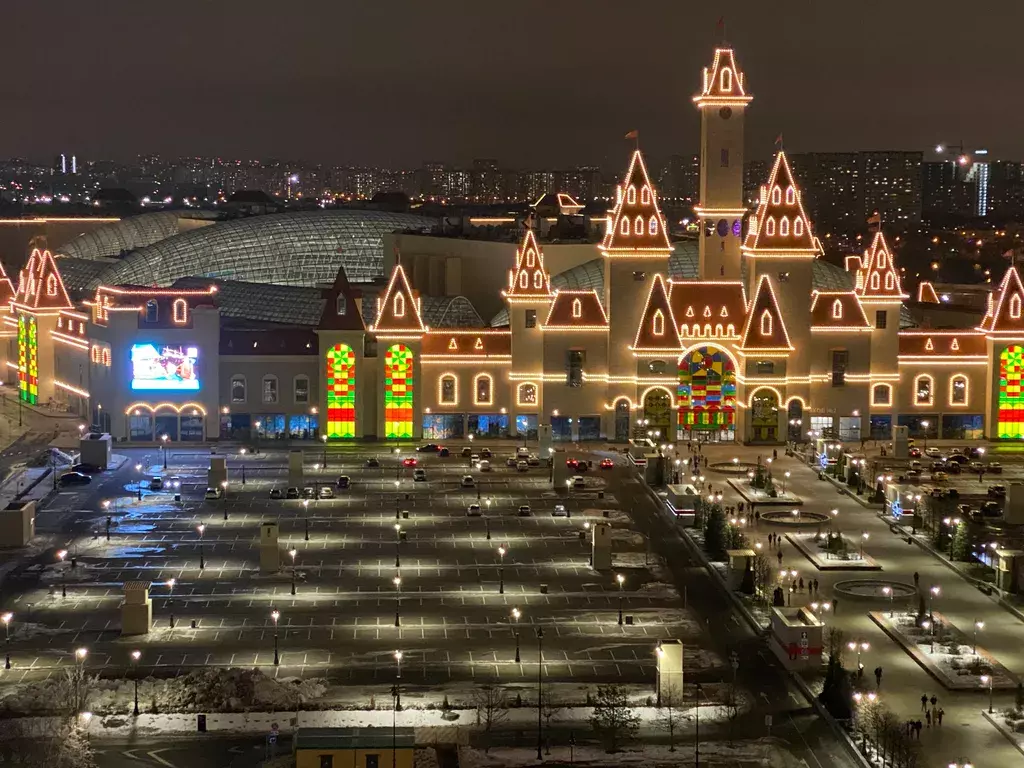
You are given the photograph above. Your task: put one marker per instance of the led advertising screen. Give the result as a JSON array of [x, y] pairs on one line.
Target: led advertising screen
[[165, 367]]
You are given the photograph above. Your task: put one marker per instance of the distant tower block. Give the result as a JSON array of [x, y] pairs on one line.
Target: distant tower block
[[270, 551], [601, 546], [218, 472], [295, 476], [137, 609], [670, 672]]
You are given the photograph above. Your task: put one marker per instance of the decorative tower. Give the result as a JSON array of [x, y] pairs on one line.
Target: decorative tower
[[636, 248], [881, 294], [781, 245], [529, 302], [722, 102]]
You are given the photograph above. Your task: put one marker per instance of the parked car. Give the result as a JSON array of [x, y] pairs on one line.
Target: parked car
[[485, 465], [957, 458], [213, 494], [997, 491], [522, 466], [473, 510], [913, 475], [572, 462], [419, 475], [372, 463], [409, 461], [466, 451], [933, 452], [474, 459], [578, 483], [86, 468], [522, 452], [326, 492], [991, 509], [533, 460], [468, 481], [429, 448], [940, 477], [953, 468], [309, 492], [510, 462], [937, 466], [74, 478], [444, 453], [607, 463], [276, 493], [524, 510], [915, 453], [156, 483], [994, 467], [485, 453], [292, 492], [344, 482], [560, 511]]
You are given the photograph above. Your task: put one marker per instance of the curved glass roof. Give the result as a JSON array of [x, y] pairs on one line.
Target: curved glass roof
[[117, 239], [298, 248]]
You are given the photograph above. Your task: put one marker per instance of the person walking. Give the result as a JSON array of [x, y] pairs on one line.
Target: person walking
[[917, 579], [924, 702], [757, 518], [928, 718], [939, 715], [878, 677], [934, 701], [917, 728], [780, 558], [835, 606], [775, 454], [800, 584]]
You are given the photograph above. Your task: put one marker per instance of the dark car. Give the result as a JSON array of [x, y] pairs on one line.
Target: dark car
[[953, 468], [372, 462], [915, 453], [994, 467], [958, 458], [992, 509], [74, 478], [997, 491], [607, 464], [572, 463], [344, 481], [429, 448], [86, 468], [444, 453]]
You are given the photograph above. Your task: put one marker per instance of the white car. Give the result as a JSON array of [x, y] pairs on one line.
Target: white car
[[522, 466], [560, 511], [522, 452], [473, 511], [468, 481], [326, 492], [213, 494], [934, 452], [524, 510], [485, 465], [419, 475], [578, 483], [510, 462]]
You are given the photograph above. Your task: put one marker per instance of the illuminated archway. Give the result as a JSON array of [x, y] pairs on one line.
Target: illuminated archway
[[622, 409], [658, 413], [707, 395], [764, 415], [341, 392], [398, 391], [1010, 420]]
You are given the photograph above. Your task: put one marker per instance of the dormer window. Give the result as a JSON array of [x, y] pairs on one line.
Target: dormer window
[[790, 196], [784, 227], [653, 227], [179, 310], [798, 227], [51, 285], [658, 323], [624, 227], [776, 196], [577, 308], [890, 281], [631, 195], [875, 282], [152, 311], [1015, 306], [766, 323], [524, 280], [638, 225], [645, 195], [881, 260], [837, 310], [530, 257], [341, 305], [398, 305], [538, 280], [769, 225], [725, 80]]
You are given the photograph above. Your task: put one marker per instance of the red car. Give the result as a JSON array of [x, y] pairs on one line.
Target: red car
[[915, 453], [607, 463], [572, 463], [409, 462]]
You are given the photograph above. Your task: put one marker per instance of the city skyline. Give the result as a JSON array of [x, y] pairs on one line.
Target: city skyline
[[371, 86]]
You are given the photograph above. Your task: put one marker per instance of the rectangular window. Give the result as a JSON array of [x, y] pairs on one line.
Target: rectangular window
[[302, 390], [840, 358], [575, 360], [531, 318], [765, 367], [725, 158], [880, 318], [783, 277], [373, 761], [639, 276], [326, 761]]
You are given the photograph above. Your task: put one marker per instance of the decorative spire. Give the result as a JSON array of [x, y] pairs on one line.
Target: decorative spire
[[878, 278], [636, 226], [1005, 315], [528, 279], [399, 310], [658, 329], [765, 329], [780, 228], [40, 285], [724, 84]]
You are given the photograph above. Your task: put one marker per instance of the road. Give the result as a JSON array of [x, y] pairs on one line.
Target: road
[[197, 752]]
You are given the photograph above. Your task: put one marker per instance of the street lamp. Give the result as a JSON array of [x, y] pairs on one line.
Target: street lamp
[[540, 690], [398, 545], [696, 735], [170, 598], [138, 469], [136, 655], [6, 618], [987, 679], [324, 439], [515, 631], [785, 477], [487, 519], [622, 580], [397, 581], [863, 539], [977, 625], [305, 516], [397, 500], [293, 552], [501, 570], [924, 425], [398, 681], [887, 591], [275, 615], [242, 462], [931, 614], [163, 441], [63, 573], [859, 647], [202, 561]]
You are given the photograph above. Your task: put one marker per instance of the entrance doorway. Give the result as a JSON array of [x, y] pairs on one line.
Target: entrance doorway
[[764, 416], [622, 420], [658, 413]]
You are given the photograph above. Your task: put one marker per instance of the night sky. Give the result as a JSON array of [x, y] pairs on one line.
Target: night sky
[[534, 83]]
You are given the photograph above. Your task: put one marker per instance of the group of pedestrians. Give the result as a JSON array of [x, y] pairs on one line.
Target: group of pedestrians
[[933, 715]]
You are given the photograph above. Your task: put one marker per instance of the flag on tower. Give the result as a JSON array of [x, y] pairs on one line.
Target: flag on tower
[[634, 134], [778, 140], [875, 221]]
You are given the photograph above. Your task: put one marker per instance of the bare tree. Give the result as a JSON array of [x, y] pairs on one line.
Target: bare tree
[[491, 709], [834, 644], [668, 717], [764, 575], [549, 709]]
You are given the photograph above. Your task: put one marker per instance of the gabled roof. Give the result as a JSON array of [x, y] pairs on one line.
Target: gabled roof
[[472, 343], [7, 291], [399, 310], [528, 279], [781, 224], [577, 310], [765, 328], [723, 83], [330, 319], [636, 226], [657, 329], [699, 306], [1004, 313], [837, 310], [926, 293], [934, 344], [40, 286], [878, 278]]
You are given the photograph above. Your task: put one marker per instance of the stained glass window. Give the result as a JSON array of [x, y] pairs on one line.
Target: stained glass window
[[1011, 398], [28, 359], [341, 392], [398, 391], [707, 391]]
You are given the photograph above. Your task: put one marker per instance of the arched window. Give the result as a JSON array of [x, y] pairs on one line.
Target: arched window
[[530, 257], [1015, 306], [538, 280], [638, 225], [890, 281], [837, 310], [524, 280], [399, 383], [483, 389], [399, 305], [624, 226], [270, 391], [631, 195], [51, 285], [238, 389], [875, 281], [790, 196], [448, 389], [152, 311], [769, 226], [658, 323], [766, 323], [881, 394], [300, 389], [784, 227], [653, 226], [645, 195], [776, 195], [881, 260], [179, 311], [341, 392], [958, 389], [105, 356], [577, 308], [725, 80], [798, 227], [341, 304], [526, 393], [923, 386]]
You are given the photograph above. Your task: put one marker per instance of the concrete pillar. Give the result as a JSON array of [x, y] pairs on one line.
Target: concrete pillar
[[543, 440], [218, 472], [295, 477], [270, 551], [17, 523], [670, 672], [601, 546], [137, 609]]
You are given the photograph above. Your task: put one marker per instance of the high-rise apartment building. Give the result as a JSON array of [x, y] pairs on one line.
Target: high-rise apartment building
[[833, 190], [892, 186]]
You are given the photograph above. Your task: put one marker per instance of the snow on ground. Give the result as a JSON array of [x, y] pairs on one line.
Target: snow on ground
[[634, 560], [620, 536], [658, 589], [748, 753], [21, 630], [65, 573]]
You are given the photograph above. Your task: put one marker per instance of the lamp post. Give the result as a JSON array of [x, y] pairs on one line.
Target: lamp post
[[398, 681], [305, 516], [696, 733], [323, 438], [859, 647], [275, 615], [202, 561], [397, 500], [398, 463], [987, 680], [293, 552], [397, 581], [785, 477], [136, 655], [621, 580], [242, 462], [887, 591], [540, 690], [931, 599], [163, 445], [138, 470], [863, 539], [224, 496], [977, 625], [170, 598], [487, 519], [80, 654], [398, 545], [396, 704], [501, 570], [63, 574], [924, 426], [7, 641], [515, 630]]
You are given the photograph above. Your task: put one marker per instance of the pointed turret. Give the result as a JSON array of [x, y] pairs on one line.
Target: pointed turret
[[636, 226], [926, 293], [878, 279], [1004, 314], [780, 228], [40, 286], [724, 84], [765, 329], [528, 280], [7, 291], [398, 312], [658, 330]]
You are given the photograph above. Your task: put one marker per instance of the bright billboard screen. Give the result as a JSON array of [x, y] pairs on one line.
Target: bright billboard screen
[[164, 367]]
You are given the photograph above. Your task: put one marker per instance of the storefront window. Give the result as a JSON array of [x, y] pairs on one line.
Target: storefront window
[[443, 426], [488, 424]]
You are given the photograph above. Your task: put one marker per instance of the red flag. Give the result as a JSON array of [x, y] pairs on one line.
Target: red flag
[[634, 134], [875, 220], [778, 140]]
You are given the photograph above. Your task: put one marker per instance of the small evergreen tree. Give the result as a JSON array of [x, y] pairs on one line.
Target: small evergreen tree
[[715, 533], [961, 548], [614, 721]]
